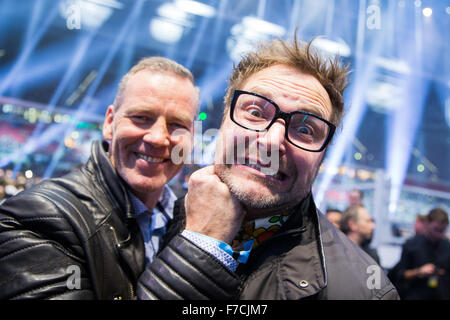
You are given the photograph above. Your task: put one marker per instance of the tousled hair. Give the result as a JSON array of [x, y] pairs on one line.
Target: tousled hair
[[302, 56]]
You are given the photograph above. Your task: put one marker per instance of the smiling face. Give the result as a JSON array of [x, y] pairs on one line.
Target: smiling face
[[292, 90], [156, 114]]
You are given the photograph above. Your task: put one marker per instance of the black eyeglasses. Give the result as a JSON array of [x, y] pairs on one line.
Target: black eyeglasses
[[257, 113]]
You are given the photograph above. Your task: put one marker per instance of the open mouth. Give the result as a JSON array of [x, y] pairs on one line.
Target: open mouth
[[149, 159], [267, 170]]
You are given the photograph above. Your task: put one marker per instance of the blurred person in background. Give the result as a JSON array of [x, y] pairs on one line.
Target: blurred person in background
[[420, 224], [359, 226], [179, 185], [334, 216], [355, 197], [424, 266]]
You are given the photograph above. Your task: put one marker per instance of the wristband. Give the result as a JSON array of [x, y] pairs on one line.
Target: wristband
[[240, 256]]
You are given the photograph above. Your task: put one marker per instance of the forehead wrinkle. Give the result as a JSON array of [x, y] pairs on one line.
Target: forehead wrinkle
[[312, 94], [312, 97]]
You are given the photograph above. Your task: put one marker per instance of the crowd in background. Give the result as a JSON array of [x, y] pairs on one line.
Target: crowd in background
[[423, 271], [356, 222], [11, 184]]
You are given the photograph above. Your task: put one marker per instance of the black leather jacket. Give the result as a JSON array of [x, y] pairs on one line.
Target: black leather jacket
[[75, 238]]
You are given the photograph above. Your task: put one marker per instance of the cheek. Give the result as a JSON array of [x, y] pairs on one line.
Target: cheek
[[126, 133], [123, 137], [222, 145], [306, 163], [181, 146]]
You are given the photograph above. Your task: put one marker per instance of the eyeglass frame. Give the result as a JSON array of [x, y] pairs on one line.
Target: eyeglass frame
[[286, 116]]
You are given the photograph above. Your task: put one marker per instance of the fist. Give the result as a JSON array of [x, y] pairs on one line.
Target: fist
[[210, 207]]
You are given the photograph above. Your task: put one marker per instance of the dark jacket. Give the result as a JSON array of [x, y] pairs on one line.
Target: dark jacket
[[416, 252], [370, 251], [308, 258], [75, 238]]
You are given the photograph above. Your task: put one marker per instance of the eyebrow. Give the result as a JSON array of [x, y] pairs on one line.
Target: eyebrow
[[148, 111], [303, 107]]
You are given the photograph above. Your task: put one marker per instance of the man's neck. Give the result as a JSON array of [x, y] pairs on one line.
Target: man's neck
[[150, 199], [258, 213], [355, 238]]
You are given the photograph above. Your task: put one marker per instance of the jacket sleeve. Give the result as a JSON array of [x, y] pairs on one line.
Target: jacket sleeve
[[40, 255], [184, 271], [392, 294]]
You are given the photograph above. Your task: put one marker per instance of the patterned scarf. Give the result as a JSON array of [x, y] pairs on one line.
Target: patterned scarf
[[259, 230]]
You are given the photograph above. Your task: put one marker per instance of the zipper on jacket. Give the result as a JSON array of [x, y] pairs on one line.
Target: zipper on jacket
[[118, 245]]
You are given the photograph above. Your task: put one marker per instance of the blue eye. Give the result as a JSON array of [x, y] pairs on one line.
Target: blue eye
[[304, 130]]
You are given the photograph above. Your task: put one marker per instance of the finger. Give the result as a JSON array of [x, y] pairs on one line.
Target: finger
[[208, 170]]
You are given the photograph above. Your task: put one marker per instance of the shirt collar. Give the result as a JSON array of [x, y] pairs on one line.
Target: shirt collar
[[165, 203]]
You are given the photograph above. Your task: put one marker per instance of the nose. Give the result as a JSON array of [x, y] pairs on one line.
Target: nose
[[157, 134], [274, 139]]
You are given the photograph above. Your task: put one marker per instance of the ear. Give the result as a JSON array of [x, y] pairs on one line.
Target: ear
[[353, 226], [108, 123]]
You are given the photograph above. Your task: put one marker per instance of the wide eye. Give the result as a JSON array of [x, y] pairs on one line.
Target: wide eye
[[304, 130], [256, 112]]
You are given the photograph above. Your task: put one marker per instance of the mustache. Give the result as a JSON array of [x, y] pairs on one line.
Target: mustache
[[246, 150]]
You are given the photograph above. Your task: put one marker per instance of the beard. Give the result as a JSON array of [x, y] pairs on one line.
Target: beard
[[267, 197], [255, 191]]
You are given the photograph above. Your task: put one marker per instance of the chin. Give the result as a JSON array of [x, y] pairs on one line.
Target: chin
[[254, 193], [144, 185], [256, 200]]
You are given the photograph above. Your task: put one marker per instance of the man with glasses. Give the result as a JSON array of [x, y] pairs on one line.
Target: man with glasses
[[281, 110]]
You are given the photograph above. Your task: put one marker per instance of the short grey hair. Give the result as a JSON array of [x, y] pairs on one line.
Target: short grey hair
[[351, 213], [157, 64]]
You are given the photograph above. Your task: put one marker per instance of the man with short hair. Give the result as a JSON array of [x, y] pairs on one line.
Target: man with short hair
[[91, 233], [358, 225], [334, 216], [425, 261], [281, 110]]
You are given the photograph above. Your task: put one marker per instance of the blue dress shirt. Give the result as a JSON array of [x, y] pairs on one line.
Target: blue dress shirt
[[152, 224]]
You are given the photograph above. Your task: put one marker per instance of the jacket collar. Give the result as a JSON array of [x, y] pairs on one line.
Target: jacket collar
[[298, 245], [109, 179], [119, 219]]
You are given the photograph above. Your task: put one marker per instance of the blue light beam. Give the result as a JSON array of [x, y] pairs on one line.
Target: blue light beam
[[85, 104]]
